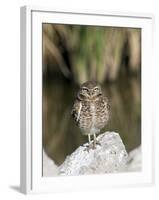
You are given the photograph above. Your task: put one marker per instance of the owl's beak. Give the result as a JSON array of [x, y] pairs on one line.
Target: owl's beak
[[91, 92]]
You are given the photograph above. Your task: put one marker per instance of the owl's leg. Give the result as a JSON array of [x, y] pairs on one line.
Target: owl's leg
[[95, 140], [89, 146], [89, 139]]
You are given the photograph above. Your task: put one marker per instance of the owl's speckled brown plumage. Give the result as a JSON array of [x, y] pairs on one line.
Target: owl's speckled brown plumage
[[91, 109]]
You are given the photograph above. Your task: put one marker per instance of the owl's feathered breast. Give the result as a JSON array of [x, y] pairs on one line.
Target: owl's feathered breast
[[90, 114]]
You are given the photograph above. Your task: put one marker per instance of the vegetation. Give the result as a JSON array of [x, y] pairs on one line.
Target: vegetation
[[84, 53]]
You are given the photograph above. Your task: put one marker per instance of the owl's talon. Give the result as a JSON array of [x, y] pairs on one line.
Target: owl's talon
[[95, 143], [98, 143], [89, 146]]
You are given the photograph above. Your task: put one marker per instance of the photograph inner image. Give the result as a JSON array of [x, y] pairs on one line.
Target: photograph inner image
[[91, 100]]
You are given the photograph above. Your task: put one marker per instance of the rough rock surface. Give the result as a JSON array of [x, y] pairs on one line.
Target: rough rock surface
[[134, 160], [108, 157], [49, 168]]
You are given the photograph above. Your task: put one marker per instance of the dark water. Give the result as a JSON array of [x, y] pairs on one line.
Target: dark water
[[60, 134]]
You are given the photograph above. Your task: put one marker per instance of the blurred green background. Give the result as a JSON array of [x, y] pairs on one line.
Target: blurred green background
[[73, 54]]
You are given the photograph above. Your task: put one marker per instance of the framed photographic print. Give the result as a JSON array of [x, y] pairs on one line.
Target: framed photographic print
[[86, 100]]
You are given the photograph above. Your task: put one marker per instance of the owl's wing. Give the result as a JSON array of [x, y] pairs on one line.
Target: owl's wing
[[76, 110], [107, 103]]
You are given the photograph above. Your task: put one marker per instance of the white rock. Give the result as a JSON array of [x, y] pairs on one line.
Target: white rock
[[108, 157], [49, 167], [134, 160]]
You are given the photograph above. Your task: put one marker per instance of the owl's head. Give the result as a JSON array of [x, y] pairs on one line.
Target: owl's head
[[90, 90]]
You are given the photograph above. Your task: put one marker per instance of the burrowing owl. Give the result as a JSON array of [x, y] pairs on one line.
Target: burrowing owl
[[90, 110]]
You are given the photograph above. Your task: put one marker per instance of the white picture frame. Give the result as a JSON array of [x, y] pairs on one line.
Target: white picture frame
[[31, 100]]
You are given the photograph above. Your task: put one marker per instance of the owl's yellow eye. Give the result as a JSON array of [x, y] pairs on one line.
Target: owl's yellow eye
[[96, 89], [84, 89]]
